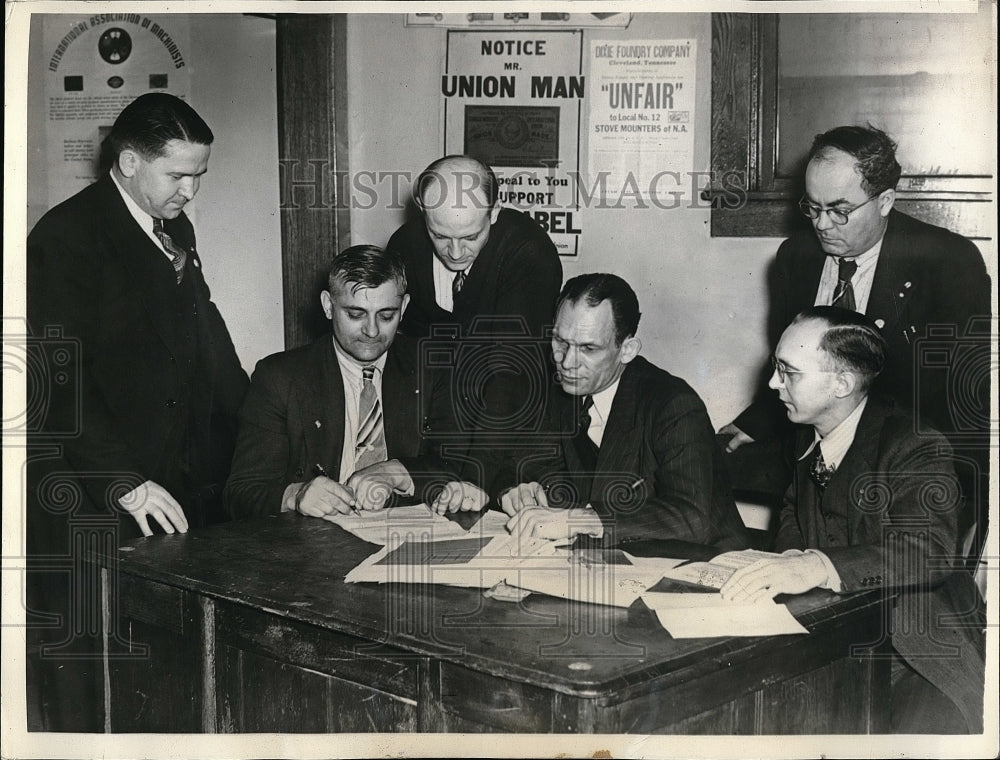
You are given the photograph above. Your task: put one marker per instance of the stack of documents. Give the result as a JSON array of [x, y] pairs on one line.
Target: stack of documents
[[483, 561], [382, 526]]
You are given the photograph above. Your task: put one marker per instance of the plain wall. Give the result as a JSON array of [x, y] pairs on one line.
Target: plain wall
[[233, 87], [703, 299]]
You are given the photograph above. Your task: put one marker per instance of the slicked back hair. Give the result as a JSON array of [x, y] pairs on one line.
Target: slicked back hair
[[366, 266], [597, 287], [149, 122], [873, 150], [851, 341]]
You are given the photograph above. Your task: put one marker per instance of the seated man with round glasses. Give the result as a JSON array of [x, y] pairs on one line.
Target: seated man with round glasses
[[925, 288]]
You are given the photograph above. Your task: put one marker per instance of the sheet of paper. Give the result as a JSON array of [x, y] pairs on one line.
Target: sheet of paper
[[492, 523], [410, 523], [660, 600], [764, 619], [715, 573]]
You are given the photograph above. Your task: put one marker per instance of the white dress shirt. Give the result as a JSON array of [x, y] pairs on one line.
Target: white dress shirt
[[600, 412], [444, 278], [861, 282]]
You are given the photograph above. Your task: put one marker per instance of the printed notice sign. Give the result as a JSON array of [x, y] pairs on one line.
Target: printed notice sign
[[96, 65], [513, 100], [642, 107]]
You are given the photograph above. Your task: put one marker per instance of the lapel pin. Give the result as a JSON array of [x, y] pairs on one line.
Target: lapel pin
[[318, 424], [880, 323]]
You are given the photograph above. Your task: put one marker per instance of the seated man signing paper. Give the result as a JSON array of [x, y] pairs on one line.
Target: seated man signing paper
[[339, 424], [873, 504], [635, 456]]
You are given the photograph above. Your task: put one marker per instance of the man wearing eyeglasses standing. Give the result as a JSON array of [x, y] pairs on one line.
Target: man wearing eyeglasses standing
[[920, 284]]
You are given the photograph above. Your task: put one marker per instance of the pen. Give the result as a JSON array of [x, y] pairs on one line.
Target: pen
[[318, 470], [632, 487]]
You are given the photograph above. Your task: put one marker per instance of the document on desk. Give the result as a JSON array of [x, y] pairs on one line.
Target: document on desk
[[715, 573], [412, 523], [538, 565], [708, 615]]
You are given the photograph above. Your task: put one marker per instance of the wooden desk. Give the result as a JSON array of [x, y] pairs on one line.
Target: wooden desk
[[249, 626]]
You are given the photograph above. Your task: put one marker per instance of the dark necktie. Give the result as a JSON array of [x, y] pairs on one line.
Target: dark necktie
[[177, 254], [844, 295], [458, 283], [819, 471], [585, 447], [371, 432]]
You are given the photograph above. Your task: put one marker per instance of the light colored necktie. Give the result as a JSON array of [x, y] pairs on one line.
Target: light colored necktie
[[844, 297], [178, 256], [371, 432]]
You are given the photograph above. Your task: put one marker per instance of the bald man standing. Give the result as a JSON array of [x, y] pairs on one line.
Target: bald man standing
[[490, 276]]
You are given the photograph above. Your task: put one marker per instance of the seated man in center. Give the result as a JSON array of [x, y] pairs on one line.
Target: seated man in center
[[339, 424], [636, 457]]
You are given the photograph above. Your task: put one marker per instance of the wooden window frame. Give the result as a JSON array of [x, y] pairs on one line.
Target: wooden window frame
[[748, 200]]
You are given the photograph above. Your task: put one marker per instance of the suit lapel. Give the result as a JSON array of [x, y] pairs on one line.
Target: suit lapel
[[150, 271], [322, 408], [619, 444], [401, 401], [888, 293], [849, 483]]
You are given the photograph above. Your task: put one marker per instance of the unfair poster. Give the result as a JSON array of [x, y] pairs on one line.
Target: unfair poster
[[95, 66], [513, 100], [641, 118]]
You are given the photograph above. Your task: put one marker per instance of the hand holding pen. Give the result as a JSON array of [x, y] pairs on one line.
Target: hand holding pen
[[323, 496]]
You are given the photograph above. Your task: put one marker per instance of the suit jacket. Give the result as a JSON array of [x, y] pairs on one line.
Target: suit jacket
[[516, 276], [925, 276], [293, 419], [902, 500], [659, 472], [99, 287], [506, 303]]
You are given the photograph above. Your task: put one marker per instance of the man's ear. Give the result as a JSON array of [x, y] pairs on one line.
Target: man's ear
[[495, 212], [404, 304], [846, 384], [630, 349], [128, 162], [327, 302], [886, 199]]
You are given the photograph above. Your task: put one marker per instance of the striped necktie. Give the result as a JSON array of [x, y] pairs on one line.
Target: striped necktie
[[177, 254], [844, 295], [458, 283], [370, 447]]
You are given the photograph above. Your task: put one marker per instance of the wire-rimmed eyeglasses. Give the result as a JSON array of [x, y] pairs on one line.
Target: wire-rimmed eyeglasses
[[779, 366], [838, 216]]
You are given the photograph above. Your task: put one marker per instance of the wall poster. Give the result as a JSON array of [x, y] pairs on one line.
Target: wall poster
[[641, 121], [514, 100], [96, 65]]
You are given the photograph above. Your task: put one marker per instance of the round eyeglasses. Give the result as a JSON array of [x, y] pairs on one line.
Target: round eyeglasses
[[838, 216], [783, 372]]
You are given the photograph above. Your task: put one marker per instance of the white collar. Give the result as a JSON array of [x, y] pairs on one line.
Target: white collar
[[351, 367], [144, 220], [837, 442], [604, 399]]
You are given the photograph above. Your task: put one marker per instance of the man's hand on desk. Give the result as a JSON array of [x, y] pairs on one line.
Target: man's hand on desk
[[766, 578], [738, 437], [153, 500], [373, 485], [460, 496], [322, 496], [523, 496], [552, 523]]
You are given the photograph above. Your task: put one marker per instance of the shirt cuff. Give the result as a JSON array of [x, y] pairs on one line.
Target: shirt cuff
[[291, 496], [832, 582]]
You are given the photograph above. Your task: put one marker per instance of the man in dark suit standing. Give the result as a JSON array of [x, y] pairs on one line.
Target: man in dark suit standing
[[874, 503], [485, 278], [341, 424], [636, 458], [925, 288], [141, 434]]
